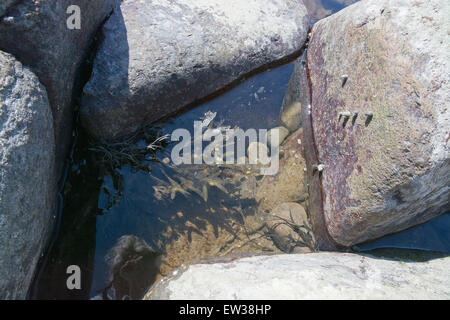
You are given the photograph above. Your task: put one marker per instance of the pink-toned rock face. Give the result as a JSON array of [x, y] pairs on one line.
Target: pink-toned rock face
[[379, 119]]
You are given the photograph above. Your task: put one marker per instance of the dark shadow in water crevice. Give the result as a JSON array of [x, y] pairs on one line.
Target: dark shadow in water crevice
[[75, 243], [73, 238]]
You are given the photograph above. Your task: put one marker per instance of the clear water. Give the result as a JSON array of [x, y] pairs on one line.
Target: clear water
[[100, 207]]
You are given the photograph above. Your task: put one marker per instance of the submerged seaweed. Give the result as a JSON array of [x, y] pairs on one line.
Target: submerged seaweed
[[137, 150]]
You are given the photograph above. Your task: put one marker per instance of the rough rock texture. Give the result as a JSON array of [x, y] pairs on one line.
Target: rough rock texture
[[308, 276], [36, 33], [27, 188], [160, 56], [5, 5], [379, 119], [288, 225], [318, 9], [282, 134]]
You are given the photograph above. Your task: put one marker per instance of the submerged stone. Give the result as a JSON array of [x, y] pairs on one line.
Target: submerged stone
[[287, 223], [288, 185], [282, 135], [291, 116]]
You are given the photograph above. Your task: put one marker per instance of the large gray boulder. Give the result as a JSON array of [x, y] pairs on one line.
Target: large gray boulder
[[36, 33], [308, 276], [159, 56], [319, 9], [27, 171], [377, 125]]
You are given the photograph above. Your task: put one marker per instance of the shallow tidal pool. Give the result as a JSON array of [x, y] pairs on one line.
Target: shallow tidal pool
[[187, 212]]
